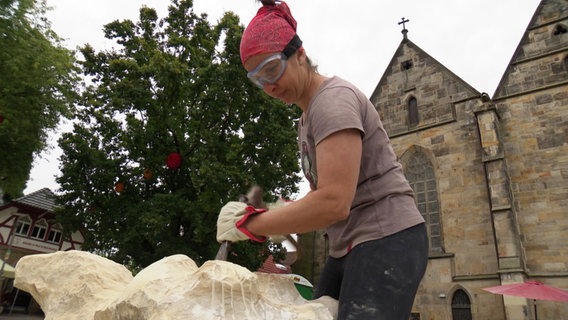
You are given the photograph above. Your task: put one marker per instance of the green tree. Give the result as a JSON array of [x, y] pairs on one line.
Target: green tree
[[172, 85], [37, 84]]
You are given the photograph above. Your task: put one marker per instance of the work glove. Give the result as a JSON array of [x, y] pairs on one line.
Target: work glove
[[231, 220]]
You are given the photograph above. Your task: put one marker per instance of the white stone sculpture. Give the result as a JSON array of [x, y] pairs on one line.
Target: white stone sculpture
[[76, 285]]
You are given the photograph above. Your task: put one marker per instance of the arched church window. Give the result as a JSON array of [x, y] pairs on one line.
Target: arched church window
[[412, 112], [419, 172], [461, 306]]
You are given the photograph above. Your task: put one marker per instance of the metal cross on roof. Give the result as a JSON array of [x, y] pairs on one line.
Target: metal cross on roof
[[404, 31], [403, 21]]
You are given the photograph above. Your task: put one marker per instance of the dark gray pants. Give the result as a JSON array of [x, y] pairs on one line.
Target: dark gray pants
[[378, 279]]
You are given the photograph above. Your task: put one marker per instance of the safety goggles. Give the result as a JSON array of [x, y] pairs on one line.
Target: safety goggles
[[272, 68]]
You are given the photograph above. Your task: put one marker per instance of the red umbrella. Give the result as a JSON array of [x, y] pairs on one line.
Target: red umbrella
[[532, 290]]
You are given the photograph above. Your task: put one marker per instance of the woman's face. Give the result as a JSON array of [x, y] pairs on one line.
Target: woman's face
[[285, 87]]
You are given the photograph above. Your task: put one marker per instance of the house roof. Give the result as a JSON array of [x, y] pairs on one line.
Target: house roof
[[269, 266], [43, 199]]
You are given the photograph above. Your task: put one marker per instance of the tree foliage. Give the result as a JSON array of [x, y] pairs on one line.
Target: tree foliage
[[172, 85], [37, 84]]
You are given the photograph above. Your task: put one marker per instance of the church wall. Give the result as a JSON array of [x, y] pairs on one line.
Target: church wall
[[462, 191], [536, 148], [447, 130], [534, 74], [434, 297], [470, 262], [532, 101]]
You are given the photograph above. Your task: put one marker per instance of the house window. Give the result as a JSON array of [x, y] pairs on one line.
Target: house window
[[54, 234], [39, 229], [23, 226], [412, 112], [461, 306], [420, 174]]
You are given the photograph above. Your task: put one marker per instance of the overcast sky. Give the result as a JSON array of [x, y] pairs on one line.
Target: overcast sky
[[355, 40]]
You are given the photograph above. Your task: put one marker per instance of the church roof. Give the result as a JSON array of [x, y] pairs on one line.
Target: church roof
[[41, 199], [414, 75], [394, 65], [544, 44]]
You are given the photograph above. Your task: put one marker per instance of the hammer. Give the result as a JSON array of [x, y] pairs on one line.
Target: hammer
[[253, 198]]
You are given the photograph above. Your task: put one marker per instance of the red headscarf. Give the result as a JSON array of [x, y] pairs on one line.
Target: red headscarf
[[269, 31]]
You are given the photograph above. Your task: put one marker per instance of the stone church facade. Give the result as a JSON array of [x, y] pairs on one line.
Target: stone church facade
[[490, 173]]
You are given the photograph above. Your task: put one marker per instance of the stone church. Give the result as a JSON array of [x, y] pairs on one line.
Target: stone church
[[490, 173]]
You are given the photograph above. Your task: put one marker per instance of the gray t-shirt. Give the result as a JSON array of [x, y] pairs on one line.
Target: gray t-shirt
[[384, 201]]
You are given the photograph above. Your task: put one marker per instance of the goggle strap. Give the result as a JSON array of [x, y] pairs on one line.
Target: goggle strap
[[292, 46]]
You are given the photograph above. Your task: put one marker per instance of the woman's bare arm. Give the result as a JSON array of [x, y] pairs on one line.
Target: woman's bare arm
[[338, 163]]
